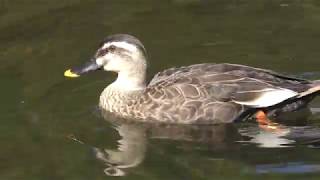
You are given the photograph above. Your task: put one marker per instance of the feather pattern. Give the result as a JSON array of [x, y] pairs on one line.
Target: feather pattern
[[209, 93], [200, 93]]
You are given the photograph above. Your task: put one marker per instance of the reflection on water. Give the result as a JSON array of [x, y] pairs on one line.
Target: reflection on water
[[284, 136], [268, 139], [291, 168], [129, 153], [132, 146]]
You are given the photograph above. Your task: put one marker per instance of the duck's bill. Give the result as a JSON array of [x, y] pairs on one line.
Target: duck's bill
[[77, 71]]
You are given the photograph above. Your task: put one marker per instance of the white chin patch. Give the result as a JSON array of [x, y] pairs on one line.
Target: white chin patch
[[123, 45], [269, 97], [99, 61]]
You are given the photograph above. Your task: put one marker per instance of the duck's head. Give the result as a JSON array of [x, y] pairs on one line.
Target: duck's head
[[119, 53]]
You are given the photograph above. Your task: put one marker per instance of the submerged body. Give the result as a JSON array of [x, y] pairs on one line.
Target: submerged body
[[200, 93]]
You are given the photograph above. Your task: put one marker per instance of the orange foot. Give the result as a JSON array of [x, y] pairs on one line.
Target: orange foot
[[265, 123]]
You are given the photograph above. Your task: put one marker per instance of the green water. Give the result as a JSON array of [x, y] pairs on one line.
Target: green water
[[42, 113]]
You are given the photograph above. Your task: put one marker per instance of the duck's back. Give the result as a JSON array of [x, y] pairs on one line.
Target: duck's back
[[220, 73], [213, 93]]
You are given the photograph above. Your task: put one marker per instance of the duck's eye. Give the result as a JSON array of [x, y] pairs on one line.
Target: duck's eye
[[101, 52], [112, 47]]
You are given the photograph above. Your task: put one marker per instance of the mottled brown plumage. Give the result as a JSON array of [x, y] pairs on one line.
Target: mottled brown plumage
[[200, 93], [205, 93]]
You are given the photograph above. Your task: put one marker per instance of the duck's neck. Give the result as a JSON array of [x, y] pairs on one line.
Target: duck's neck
[[127, 87], [130, 81]]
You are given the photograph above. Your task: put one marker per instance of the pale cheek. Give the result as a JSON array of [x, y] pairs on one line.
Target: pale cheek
[[112, 64], [108, 67], [106, 61], [100, 61]]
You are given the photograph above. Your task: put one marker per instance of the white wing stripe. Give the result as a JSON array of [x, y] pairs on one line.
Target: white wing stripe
[[270, 98]]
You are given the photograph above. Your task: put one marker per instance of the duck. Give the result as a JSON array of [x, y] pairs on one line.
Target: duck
[[207, 93]]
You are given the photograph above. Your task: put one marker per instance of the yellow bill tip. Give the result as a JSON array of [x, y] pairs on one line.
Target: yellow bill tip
[[68, 73]]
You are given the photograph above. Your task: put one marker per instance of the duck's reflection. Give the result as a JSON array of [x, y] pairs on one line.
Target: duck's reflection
[[130, 152], [134, 138]]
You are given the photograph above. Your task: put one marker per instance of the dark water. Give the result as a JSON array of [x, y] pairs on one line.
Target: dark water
[[50, 128]]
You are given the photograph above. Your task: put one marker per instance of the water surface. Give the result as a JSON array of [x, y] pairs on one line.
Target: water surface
[[50, 126]]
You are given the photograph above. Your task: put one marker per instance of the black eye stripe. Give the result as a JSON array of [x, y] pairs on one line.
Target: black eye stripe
[[104, 51], [111, 48], [101, 52]]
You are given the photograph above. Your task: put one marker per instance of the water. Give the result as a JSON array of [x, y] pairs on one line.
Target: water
[[50, 126]]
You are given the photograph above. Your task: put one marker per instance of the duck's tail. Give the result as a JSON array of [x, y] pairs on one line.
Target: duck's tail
[[315, 89]]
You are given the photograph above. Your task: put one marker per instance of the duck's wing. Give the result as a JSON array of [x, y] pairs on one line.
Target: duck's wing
[[187, 100], [239, 84], [204, 69]]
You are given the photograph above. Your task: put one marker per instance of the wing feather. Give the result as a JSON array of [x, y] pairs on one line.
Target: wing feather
[[204, 90], [238, 83]]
